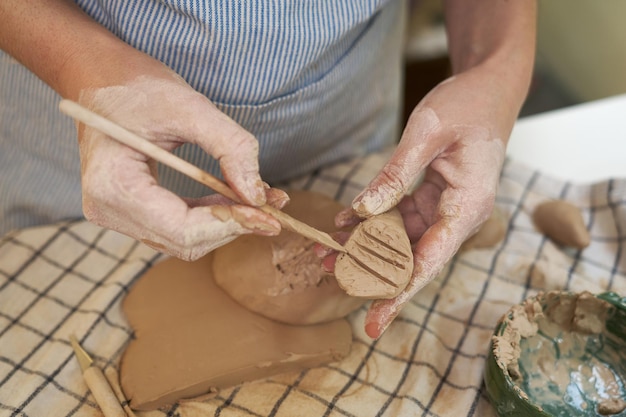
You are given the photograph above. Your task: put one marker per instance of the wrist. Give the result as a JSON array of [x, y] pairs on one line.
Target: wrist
[[495, 37], [105, 61]]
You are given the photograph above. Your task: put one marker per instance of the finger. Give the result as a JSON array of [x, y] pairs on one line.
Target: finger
[[236, 149], [328, 263], [322, 250], [132, 203], [205, 228], [276, 197], [420, 209], [252, 219], [249, 218], [431, 253], [380, 315], [382, 312], [328, 255], [347, 218], [414, 152]]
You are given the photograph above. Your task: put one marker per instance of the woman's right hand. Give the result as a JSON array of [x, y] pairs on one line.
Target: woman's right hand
[[120, 188], [84, 62]]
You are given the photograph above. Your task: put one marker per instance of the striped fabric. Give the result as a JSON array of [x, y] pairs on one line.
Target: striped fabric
[[315, 82], [71, 277]]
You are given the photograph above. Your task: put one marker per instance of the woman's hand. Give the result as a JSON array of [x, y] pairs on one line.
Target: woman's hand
[[457, 138], [85, 62], [454, 143], [120, 188]]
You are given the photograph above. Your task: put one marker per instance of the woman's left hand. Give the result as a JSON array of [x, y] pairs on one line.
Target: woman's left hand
[[456, 137]]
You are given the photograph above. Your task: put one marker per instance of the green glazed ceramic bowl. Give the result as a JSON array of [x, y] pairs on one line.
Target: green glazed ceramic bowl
[[573, 365]]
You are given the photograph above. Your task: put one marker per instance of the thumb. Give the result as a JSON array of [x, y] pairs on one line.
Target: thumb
[[386, 189], [414, 152]]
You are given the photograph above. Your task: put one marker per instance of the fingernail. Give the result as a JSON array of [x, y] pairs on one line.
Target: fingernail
[[266, 229], [375, 329], [220, 212], [367, 203], [372, 330], [326, 268], [320, 251], [346, 218], [277, 198]]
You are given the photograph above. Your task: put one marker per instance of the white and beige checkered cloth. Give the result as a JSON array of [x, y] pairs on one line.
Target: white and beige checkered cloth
[[70, 278]]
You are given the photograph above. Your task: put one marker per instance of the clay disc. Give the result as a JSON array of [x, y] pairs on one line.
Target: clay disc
[[281, 277]]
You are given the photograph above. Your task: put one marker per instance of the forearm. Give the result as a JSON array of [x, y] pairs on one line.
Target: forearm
[[64, 47], [499, 35]]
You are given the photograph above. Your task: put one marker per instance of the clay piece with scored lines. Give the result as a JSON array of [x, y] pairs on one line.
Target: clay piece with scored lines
[[280, 277], [379, 262]]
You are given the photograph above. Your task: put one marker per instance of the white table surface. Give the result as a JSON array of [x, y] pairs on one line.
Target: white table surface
[[583, 143]]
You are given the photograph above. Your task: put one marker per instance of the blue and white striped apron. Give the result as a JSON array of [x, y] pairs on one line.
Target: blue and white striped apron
[[315, 81]]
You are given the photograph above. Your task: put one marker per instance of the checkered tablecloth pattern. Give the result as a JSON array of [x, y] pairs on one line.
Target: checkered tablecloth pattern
[[69, 278]]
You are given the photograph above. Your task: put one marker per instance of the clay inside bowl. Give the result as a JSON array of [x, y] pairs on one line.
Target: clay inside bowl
[[560, 354]]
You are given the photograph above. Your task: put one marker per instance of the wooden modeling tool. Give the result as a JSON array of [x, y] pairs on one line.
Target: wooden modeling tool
[[113, 377], [151, 150], [97, 383]]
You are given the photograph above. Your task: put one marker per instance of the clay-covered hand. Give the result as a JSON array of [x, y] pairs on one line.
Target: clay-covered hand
[[455, 140], [120, 188]]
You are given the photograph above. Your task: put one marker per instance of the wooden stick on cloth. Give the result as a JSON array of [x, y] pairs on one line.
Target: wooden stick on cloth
[[151, 150], [97, 383]]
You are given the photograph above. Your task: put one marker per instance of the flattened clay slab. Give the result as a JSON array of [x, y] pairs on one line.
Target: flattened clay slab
[[191, 338], [379, 262], [281, 277]]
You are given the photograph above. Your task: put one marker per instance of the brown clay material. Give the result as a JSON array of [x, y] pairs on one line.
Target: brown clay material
[[490, 233], [611, 406], [567, 318], [191, 338], [379, 262], [563, 223], [281, 277]]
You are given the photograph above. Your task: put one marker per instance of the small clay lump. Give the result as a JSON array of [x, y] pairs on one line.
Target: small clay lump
[[563, 223]]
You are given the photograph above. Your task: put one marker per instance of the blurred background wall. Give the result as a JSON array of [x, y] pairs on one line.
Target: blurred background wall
[[581, 53], [582, 44]]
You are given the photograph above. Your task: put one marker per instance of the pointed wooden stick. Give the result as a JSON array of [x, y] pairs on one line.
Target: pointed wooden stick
[[97, 383], [151, 150]]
